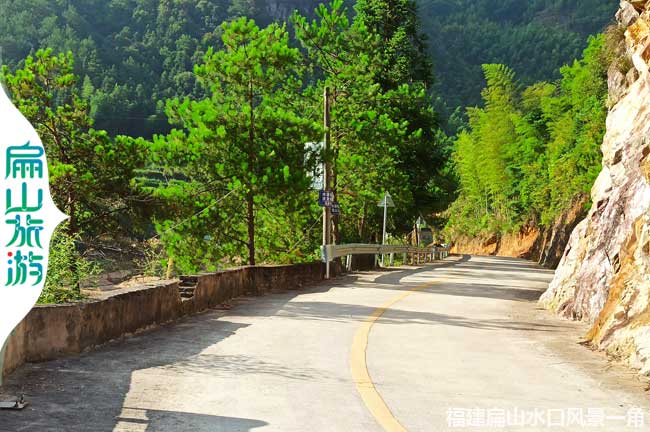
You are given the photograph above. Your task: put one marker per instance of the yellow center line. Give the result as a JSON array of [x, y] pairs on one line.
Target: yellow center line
[[359, 366]]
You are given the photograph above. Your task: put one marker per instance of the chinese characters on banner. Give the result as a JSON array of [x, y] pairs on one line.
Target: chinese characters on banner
[[29, 216], [23, 212]]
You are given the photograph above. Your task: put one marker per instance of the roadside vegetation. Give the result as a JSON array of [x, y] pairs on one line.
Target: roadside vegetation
[[529, 152], [231, 183], [185, 141]]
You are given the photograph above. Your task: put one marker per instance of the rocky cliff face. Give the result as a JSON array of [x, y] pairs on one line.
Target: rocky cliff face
[[604, 274]]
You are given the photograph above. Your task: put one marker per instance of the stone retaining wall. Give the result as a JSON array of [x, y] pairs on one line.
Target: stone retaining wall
[[52, 331]]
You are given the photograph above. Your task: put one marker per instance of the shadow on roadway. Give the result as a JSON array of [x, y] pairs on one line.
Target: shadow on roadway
[[154, 421], [87, 393], [329, 311], [395, 278]]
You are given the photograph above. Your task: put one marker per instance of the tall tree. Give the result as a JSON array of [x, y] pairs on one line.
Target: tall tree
[[90, 173], [244, 140], [363, 134], [403, 51], [405, 75]]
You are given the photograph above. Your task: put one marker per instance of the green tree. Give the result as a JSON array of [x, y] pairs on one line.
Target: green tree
[[240, 151], [363, 135], [90, 173], [527, 155], [403, 52]]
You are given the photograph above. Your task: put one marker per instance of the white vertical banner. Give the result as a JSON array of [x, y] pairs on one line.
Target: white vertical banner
[[28, 217]]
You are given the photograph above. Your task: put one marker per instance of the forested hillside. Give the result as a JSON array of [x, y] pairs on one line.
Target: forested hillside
[[534, 37], [176, 126], [131, 55]]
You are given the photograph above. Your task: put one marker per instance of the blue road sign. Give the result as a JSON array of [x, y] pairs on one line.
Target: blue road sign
[[325, 198]]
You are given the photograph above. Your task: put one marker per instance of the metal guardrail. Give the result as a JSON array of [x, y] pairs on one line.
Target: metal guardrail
[[418, 254]]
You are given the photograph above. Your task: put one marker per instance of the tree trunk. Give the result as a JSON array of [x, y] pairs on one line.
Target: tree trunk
[[251, 227], [72, 232], [72, 212], [362, 222]]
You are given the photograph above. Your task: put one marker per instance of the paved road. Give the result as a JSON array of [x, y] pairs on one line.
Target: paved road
[[446, 347]]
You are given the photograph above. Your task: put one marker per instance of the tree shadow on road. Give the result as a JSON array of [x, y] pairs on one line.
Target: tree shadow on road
[[506, 264], [338, 312], [395, 278], [87, 393]]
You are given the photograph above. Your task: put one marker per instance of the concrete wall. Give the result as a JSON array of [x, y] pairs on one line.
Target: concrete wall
[[49, 332]]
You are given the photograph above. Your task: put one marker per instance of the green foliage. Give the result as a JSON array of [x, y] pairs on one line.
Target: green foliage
[[62, 284], [240, 152], [536, 37], [528, 154], [90, 172], [136, 54], [402, 50]]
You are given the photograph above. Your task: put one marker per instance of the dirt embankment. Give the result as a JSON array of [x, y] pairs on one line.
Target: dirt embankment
[[546, 245]]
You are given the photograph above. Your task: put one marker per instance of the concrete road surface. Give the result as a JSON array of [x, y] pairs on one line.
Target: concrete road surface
[[453, 346]]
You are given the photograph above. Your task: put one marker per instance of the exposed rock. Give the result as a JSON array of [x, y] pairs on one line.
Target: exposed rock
[[617, 83], [553, 244], [638, 5], [627, 14], [631, 77], [604, 275], [514, 245]]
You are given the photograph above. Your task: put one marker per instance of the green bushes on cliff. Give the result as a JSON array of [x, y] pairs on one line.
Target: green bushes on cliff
[[529, 151]]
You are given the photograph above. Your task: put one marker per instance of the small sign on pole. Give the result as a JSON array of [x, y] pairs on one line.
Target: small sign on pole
[[387, 201], [314, 152], [336, 208], [325, 198]]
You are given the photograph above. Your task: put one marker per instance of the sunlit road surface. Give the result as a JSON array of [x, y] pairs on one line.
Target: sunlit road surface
[[453, 346]]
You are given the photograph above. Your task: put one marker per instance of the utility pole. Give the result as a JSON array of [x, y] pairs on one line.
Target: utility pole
[[383, 236], [327, 213]]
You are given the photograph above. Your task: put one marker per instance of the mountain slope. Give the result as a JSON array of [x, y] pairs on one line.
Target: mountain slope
[[534, 37], [134, 54]]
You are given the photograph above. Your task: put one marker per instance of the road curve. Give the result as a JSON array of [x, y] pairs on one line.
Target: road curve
[[453, 346]]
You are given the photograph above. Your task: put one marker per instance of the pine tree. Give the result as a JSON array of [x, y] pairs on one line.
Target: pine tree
[[241, 146]]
